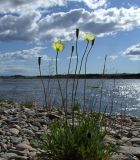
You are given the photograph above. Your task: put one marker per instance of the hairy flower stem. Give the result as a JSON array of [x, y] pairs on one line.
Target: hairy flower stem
[[101, 93], [62, 99], [73, 86], [85, 75], [66, 123], [80, 71], [48, 96], [76, 67], [68, 74], [44, 90]]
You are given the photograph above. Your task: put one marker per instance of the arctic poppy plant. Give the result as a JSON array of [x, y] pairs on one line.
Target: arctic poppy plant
[[58, 46], [89, 37]]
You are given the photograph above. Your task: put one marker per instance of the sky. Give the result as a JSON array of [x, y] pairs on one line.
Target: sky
[[29, 27]]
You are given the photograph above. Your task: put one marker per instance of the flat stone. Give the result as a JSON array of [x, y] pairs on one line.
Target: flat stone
[[53, 116], [17, 126], [109, 140], [5, 140], [21, 153], [10, 156], [16, 140], [119, 157], [135, 141], [14, 131], [135, 133], [27, 131], [26, 142], [23, 146], [33, 154], [130, 150], [34, 128], [2, 132], [3, 146]]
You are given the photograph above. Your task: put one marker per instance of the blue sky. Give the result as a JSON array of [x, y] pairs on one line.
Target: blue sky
[[28, 28]]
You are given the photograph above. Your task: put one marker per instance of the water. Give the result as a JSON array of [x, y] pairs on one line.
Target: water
[[123, 95]]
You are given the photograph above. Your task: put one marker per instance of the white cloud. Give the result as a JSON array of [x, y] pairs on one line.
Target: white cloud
[[101, 22], [22, 27], [22, 6], [19, 69], [73, 57], [18, 6], [93, 4], [18, 62], [32, 53], [133, 52], [113, 58], [34, 27]]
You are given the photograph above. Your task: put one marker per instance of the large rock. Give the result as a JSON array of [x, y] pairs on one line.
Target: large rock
[[23, 146]]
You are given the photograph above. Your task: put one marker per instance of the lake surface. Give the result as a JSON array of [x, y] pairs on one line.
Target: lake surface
[[123, 95]]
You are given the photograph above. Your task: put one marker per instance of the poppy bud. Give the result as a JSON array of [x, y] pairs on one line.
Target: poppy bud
[[39, 61], [72, 49], [77, 32], [92, 43]]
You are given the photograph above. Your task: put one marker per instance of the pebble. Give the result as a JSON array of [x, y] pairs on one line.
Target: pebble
[[130, 150], [16, 140], [14, 131], [23, 146]]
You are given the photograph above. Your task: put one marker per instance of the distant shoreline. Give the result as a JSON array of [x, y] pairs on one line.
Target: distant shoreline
[[81, 76]]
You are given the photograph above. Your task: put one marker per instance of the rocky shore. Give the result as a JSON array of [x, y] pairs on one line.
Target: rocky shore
[[20, 125]]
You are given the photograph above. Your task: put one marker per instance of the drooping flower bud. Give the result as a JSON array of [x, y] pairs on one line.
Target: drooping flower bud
[[39, 61], [77, 33], [92, 43], [72, 49]]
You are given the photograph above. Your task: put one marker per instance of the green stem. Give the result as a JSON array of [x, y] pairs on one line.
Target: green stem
[[77, 60], [44, 90], [73, 86], [68, 74], [101, 93], [62, 99], [85, 74], [80, 71]]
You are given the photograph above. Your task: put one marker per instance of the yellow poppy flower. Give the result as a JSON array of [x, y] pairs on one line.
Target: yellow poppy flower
[[89, 37], [58, 46]]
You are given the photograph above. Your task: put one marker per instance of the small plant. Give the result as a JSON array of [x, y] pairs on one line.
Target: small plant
[[28, 104], [79, 135], [6, 101], [84, 141]]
